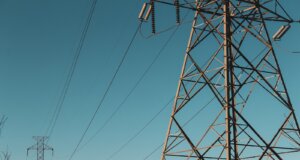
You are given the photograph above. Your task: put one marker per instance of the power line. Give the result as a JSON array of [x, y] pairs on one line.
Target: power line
[[133, 89], [125, 99], [106, 91], [136, 84], [140, 131], [64, 92]]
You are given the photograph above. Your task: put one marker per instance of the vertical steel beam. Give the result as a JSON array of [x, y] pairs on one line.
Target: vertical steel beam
[[227, 72]]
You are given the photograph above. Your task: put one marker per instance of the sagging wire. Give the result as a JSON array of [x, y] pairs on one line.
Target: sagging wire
[[111, 82]]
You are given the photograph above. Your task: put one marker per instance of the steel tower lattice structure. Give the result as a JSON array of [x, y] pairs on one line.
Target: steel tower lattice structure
[[40, 147], [230, 67]]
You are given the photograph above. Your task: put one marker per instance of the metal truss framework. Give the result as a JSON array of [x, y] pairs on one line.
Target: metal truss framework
[[40, 147], [229, 55]]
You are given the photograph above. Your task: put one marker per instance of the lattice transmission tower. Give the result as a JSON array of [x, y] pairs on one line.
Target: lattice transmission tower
[[232, 101], [40, 147]]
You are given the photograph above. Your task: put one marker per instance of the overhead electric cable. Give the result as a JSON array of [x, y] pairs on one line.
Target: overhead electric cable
[[136, 84], [64, 92], [106, 91], [140, 131], [133, 89]]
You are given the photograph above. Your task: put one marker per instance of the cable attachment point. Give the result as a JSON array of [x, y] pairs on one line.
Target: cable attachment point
[[145, 12]]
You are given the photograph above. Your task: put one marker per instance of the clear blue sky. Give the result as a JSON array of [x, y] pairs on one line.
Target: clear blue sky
[[38, 39]]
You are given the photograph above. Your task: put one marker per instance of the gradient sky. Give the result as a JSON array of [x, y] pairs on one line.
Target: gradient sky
[[38, 39]]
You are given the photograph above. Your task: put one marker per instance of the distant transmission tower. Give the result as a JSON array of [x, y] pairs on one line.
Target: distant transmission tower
[[40, 147], [231, 69]]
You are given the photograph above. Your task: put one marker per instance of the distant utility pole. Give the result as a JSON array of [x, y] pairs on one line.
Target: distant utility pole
[[40, 147]]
